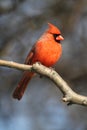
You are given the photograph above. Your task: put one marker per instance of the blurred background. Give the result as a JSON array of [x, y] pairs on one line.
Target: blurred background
[[41, 108]]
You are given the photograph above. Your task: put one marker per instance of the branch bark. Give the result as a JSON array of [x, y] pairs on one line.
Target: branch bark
[[69, 95]]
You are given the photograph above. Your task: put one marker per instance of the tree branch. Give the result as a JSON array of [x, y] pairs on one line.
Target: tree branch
[[69, 95]]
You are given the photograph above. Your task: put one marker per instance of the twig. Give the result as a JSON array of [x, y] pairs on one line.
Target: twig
[[69, 95]]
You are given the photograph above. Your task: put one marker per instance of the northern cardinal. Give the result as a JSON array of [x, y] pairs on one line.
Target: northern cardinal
[[47, 50]]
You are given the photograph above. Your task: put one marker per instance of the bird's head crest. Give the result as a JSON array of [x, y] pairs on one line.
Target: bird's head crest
[[53, 29]]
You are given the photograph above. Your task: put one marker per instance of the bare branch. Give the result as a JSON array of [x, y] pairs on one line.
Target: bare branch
[[69, 95]]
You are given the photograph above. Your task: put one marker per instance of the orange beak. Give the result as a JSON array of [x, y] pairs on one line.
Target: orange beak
[[59, 38]]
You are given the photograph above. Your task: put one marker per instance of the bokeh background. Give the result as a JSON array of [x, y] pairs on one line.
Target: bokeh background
[[41, 108]]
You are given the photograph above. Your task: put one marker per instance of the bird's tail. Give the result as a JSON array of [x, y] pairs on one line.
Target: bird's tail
[[22, 85]]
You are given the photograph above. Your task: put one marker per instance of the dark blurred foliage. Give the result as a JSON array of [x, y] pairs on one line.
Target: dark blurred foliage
[[21, 24]]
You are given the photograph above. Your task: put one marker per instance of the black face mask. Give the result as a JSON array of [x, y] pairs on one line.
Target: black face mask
[[55, 36]]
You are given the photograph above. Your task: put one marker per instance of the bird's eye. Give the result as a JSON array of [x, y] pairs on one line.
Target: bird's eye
[[56, 35]]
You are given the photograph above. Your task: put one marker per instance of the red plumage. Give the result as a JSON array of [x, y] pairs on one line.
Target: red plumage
[[47, 50]]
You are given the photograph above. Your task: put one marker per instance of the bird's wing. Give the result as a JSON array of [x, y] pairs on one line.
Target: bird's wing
[[30, 56]]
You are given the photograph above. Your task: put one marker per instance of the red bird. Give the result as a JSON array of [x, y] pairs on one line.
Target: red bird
[[47, 50]]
